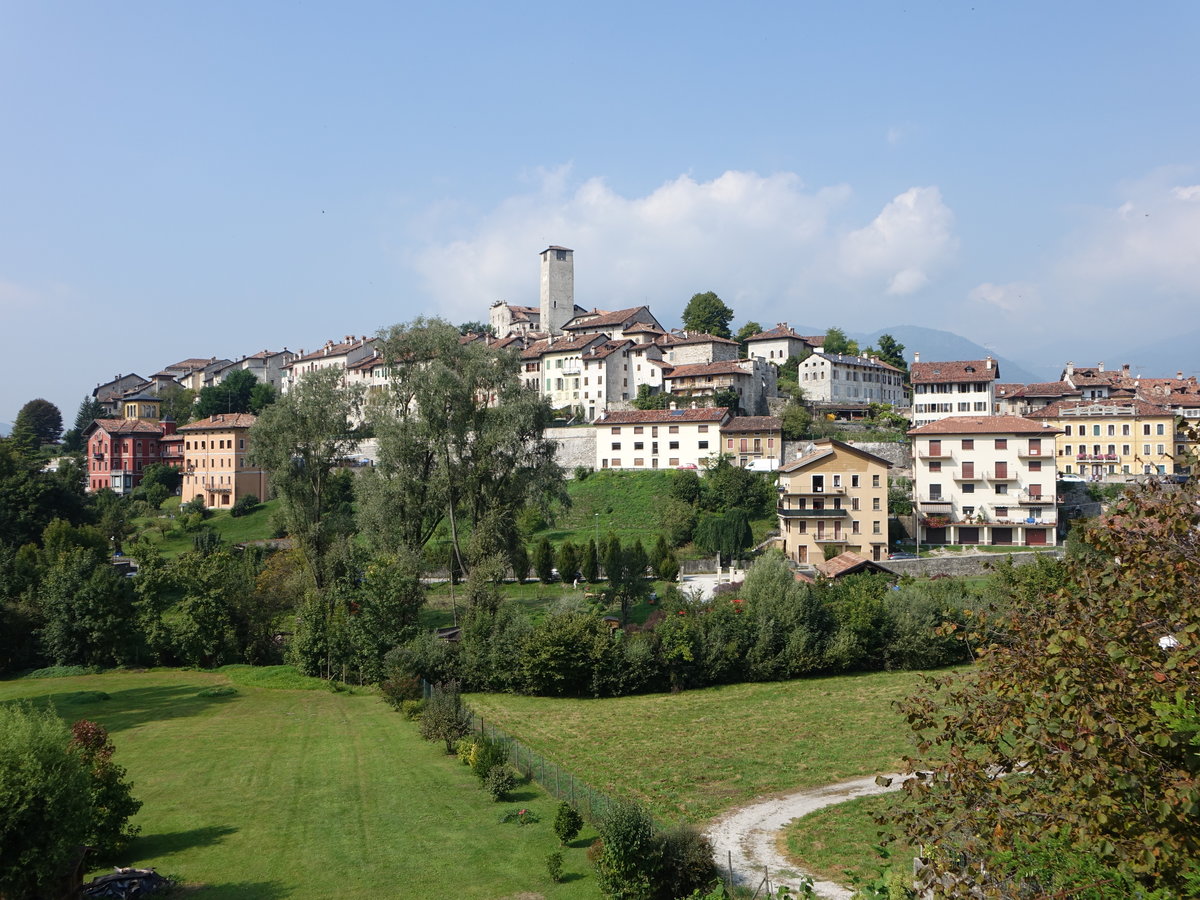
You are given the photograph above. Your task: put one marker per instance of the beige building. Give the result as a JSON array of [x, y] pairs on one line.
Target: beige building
[[754, 441], [1098, 438], [214, 461], [659, 438], [952, 388], [986, 480], [833, 496]]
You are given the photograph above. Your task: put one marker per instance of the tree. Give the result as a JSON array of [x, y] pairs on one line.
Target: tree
[[112, 801], [796, 421], [45, 795], [178, 402], [88, 609], [591, 563], [837, 342], [543, 561], [461, 441], [475, 328], [891, 352], [745, 332], [568, 561], [728, 398], [445, 718], [232, 395], [42, 418], [262, 395], [707, 313], [300, 440], [89, 410], [628, 865], [1077, 735], [647, 398], [30, 498]]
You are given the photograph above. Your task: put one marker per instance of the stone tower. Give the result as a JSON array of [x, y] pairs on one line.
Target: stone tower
[[558, 288]]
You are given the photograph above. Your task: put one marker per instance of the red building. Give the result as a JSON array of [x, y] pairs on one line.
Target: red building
[[118, 450]]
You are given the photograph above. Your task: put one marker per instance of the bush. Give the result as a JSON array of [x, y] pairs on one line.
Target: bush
[[244, 506], [628, 863], [499, 782], [489, 754], [554, 866], [45, 792], [195, 506], [687, 863], [398, 688], [444, 717], [581, 474], [567, 823], [412, 709], [464, 749], [111, 795]]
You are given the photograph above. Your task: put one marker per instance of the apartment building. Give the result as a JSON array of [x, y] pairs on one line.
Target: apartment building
[[833, 499], [754, 381], [836, 378], [690, 348], [953, 388], [754, 441], [215, 470], [659, 438], [1112, 437], [985, 480], [340, 354]]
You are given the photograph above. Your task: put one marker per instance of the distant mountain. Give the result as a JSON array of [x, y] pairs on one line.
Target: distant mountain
[[1173, 353], [936, 345]]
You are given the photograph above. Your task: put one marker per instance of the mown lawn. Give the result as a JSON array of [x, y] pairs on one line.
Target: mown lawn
[[161, 531], [839, 839], [279, 792], [689, 756]]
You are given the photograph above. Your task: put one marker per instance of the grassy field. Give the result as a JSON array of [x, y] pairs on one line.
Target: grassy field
[[282, 792], [689, 756], [840, 839], [254, 527]]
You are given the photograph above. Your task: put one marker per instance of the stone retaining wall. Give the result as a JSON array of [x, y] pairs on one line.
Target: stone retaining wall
[[576, 447], [962, 565]]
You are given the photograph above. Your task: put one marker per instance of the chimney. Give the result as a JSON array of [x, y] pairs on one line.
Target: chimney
[[1100, 366], [917, 356], [1070, 370], [1125, 369], [989, 364]]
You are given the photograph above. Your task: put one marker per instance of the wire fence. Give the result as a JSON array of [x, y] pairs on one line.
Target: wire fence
[[554, 779]]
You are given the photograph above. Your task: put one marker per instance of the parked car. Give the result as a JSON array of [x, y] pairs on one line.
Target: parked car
[[1071, 478], [902, 556]]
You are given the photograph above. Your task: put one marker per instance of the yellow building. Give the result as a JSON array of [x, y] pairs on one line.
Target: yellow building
[[1111, 436], [833, 496], [214, 461], [753, 441]]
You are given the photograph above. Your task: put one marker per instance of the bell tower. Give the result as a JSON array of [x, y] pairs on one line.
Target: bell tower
[[557, 289]]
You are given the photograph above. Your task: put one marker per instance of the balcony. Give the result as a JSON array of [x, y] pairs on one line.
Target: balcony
[[1032, 453], [999, 476], [835, 538], [934, 504], [1026, 499], [964, 476], [792, 513], [943, 453], [1097, 457]]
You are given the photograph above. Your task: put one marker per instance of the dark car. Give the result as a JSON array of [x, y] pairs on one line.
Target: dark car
[[902, 556]]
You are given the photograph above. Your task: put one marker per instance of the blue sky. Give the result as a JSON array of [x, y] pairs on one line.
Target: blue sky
[[182, 180]]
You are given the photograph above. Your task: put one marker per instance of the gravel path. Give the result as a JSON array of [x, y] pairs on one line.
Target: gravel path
[[751, 835]]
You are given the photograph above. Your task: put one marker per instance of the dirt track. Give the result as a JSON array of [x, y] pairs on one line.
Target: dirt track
[[750, 835]]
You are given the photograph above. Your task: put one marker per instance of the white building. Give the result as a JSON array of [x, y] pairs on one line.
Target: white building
[[953, 388], [839, 379], [683, 348], [985, 480], [781, 343], [341, 355], [659, 438]]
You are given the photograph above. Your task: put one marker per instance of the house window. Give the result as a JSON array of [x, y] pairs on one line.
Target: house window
[[876, 527], [1003, 488], [854, 482], [638, 462], [935, 466], [637, 429], [703, 445], [968, 488], [875, 504], [1001, 512], [968, 443], [616, 445], [874, 481], [616, 463], [1035, 465], [673, 445], [638, 445], [703, 429], [854, 527], [1001, 443], [616, 431], [854, 503], [673, 461], [672, 429]]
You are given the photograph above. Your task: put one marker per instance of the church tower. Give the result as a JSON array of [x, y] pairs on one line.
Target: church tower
[[558, 288]]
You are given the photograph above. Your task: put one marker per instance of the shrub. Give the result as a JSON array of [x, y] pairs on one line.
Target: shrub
[[567, 823], [464, 749], [195, 506], [499, 782], [412, 709], [400, 687], [489, 754], [687, 862], [581, 474], [629, 860], [554, 866], [45, 794], [244, 506], [111, 795], [444, 717]]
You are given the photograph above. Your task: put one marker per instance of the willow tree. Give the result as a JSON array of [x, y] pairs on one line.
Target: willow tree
[[300, 440], [461, 442]]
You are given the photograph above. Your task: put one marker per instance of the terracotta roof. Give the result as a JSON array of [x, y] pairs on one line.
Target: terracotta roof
[[984, 425], [644, 328], [753, 423], [598, 318], [1136, 407], [1009, 390], [602, 351], [844, 564], [221, 422], [783, 330], [953, 370], [826, 447], [721, 367], [576, 343], [125, 426], [678, 338], [368, 362], [1049, 389], [193, 364], [332, 349], [664, 416]]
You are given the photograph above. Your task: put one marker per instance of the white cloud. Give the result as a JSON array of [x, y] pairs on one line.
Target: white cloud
[[913, 233], [766, 244], [1015, 297], [16, 296]]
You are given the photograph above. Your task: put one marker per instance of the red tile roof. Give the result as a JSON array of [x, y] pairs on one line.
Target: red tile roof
[[125, 426], [1136, 408], [596, 318], [664, 416], [984, 425], [753, 423], [221, 422], [721, 367], [602, 351], [844, 564], [954, 370], [683, 338], [783, 330]]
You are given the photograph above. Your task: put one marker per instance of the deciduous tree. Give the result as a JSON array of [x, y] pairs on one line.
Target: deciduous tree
[[708, 313], [42, 418]]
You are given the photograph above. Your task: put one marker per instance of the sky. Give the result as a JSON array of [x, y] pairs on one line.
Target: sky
[[213, 179]]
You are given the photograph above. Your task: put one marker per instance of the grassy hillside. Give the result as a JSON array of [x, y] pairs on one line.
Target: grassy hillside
[[691, 755], [164, 532], [282, 792]]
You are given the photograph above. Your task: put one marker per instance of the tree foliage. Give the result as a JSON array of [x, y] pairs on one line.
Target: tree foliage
[[890, 351], [744, 333], [232, 395], [708, 313], [112, 800], [1079, 727], [42, 418], [837, 342]]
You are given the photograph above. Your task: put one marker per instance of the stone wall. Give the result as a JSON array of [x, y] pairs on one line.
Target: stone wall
[[899, 455], [960, 565], [576, 447]]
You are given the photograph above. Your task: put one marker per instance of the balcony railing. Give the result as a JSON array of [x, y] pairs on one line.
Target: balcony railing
[[944, 453], [1098, 457], [964, 476], [788, 512], [1027, 499], [1033, 453], [934, 502], [835, 538], [999, 476]]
